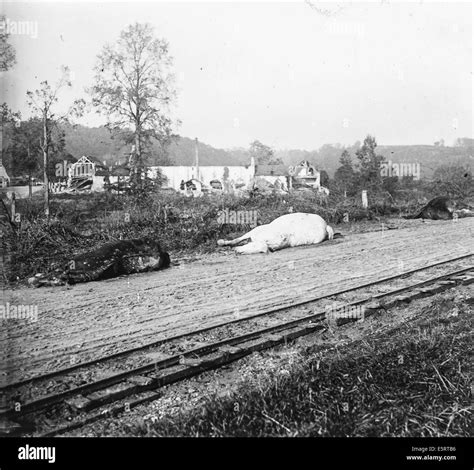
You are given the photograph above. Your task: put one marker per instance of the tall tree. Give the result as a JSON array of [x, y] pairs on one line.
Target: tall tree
[[42, 103], [24, 151], [262, 153], [323, 178], [370, 165], [8, 121], [345, 175], [134, 87], [7, 60], [7, 52]]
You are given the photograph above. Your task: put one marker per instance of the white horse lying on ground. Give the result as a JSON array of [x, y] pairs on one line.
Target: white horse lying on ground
[[286, 231]]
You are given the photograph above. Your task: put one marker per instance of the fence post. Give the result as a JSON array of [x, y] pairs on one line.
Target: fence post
[[365, 202], [13, 207]]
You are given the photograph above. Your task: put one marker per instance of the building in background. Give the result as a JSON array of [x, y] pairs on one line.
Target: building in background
[[87, 173], [4, 178], [269, 177], [305, 175], [90, 174], [234, 179]]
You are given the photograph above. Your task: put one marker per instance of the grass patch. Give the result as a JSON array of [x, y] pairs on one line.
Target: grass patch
[[410, 382]]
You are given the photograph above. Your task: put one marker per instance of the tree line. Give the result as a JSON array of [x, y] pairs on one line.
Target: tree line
[[370, 171]]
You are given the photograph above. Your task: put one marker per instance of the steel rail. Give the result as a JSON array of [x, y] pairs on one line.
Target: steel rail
[[161, 341], [53, 399]]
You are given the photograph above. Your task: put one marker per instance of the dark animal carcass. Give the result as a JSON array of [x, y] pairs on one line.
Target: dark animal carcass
[[110, 260], [439, 208]]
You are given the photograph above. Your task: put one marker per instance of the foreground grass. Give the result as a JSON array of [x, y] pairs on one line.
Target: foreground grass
[[410, 382]]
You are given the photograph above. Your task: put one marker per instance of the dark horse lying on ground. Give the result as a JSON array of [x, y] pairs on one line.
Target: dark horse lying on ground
[[110, 260], [443, 208], [439, 208]]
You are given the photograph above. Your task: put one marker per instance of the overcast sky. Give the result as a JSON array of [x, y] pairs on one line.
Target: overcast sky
[[292, 75]]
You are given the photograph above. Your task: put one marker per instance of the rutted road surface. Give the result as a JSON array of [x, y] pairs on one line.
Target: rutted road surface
[[89, 320]]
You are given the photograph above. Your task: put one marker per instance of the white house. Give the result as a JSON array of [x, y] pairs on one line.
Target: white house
[[87, 169], [235, 178], [230, 177], [89, 173]]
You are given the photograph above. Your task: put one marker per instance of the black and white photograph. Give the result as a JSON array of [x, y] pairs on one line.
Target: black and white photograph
[[237, 219]]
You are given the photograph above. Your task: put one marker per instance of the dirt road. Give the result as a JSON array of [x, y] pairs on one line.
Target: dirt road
[[79, 323]]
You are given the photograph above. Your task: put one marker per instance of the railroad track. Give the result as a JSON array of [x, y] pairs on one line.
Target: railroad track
[[67, 399]]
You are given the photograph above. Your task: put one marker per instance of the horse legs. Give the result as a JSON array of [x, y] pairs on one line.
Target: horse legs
[[252, 248]]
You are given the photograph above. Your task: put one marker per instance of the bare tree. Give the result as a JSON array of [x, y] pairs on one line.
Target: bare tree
[[454, 179], [134, 87], [42, 102]]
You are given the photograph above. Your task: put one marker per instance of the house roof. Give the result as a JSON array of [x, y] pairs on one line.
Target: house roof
[[95, 160], [89, 159], [85, 159], [272, 170]]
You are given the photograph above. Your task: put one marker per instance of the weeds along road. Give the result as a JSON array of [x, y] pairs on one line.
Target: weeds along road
[[88, 320]]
